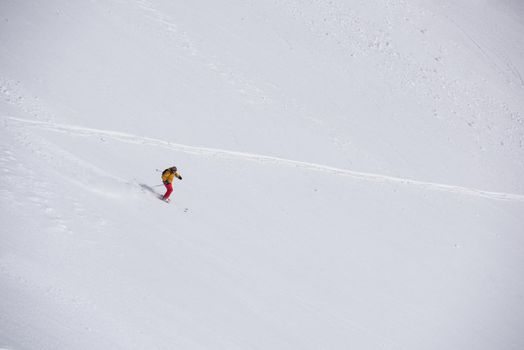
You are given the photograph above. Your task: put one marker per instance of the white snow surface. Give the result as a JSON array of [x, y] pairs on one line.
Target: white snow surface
[[353, 174]]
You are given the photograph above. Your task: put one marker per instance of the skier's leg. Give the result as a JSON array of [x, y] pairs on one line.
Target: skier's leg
[[169, 189]]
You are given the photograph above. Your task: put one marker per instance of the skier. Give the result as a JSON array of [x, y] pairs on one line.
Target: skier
[[168, 176]]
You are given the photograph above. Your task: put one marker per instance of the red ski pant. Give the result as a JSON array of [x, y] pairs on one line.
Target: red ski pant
[[169, 188]]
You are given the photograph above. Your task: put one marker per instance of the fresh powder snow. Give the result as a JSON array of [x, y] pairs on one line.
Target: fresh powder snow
[[353, 174]]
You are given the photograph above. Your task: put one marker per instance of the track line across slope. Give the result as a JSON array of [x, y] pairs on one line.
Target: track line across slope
[[220, 153]]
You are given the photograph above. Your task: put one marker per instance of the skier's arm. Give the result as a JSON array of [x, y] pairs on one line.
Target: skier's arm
[[178, 175]]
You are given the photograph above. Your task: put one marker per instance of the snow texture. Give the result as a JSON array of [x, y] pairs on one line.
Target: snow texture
[[352, 174]]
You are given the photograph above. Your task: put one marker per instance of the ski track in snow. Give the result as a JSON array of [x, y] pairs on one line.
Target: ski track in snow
[[225, 154]]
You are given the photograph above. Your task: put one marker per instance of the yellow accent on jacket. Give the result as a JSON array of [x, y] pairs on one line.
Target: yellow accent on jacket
[[168, 176]]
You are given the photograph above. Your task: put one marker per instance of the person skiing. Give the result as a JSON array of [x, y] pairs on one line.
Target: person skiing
[[168, 176]]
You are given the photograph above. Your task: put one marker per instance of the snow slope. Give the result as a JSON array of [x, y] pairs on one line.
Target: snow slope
[[352, 174]]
